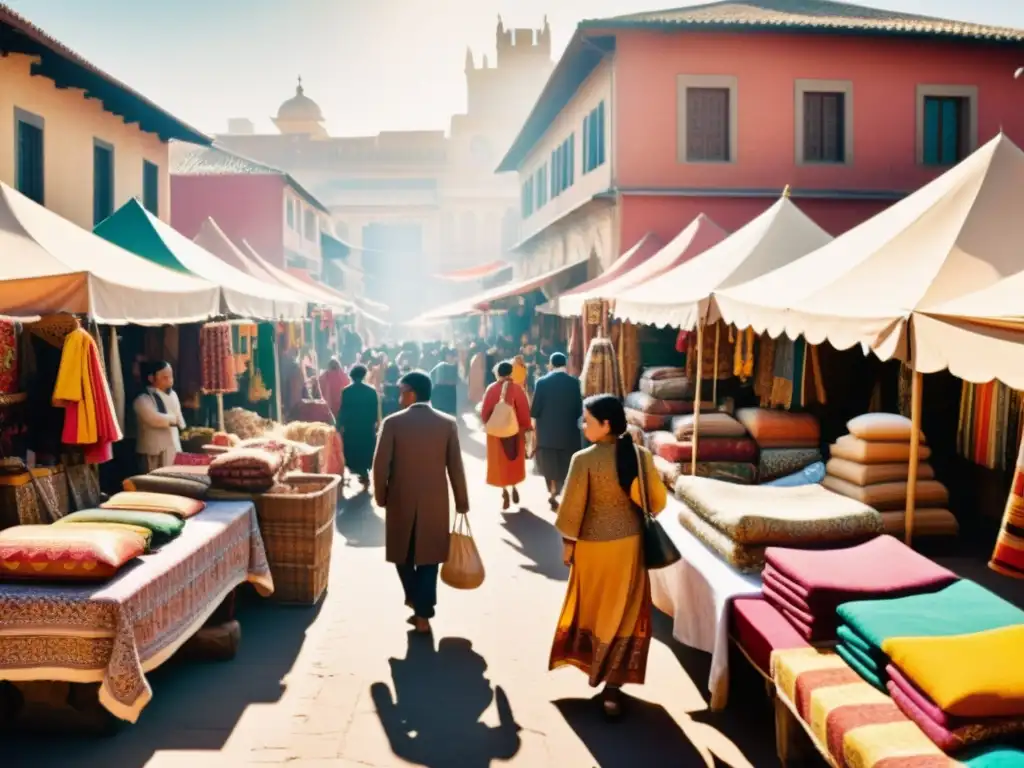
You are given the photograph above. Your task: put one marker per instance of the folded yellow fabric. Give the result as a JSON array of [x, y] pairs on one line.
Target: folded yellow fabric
[[975, 675]]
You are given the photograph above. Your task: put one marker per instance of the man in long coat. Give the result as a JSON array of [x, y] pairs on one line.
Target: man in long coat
[[418, 454], [556, 410]]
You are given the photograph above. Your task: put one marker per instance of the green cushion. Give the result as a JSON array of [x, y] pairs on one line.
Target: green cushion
[[164, 526]]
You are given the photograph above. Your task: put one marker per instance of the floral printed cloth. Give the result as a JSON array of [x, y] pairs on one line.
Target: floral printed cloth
[[115, 632]]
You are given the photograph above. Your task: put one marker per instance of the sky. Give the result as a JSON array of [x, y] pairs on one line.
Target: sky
[[371, 65]]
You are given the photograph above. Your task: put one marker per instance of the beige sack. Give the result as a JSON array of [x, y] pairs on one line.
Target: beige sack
[[463, 569]]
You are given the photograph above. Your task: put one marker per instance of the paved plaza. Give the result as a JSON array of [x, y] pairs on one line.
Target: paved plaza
[[346, 684]]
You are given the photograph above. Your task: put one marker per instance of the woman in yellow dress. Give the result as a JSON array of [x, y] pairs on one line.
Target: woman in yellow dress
[[605, 626]]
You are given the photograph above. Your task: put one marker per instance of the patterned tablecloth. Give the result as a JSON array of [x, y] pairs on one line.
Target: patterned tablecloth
[[115, 632]]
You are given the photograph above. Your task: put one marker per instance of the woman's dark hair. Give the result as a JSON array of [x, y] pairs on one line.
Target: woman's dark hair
[[358, 372], [151, 368], [608, 408], [504, 368]]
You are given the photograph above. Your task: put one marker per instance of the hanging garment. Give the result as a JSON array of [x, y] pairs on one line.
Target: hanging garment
[[764, 369], [9, 376], [743, 354], [628, 354], [600, 370], [576, 348], [188, 373], [1008, 554], [116, 374], [989, 429], [218, 365], [82, 391]]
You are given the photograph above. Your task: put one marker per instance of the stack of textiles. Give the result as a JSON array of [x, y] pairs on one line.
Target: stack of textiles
[[871, 464], [252, 470], [961, 608], [812, 474], [808, 586], [738, 522], [710, 450], [960, 690], [652, 413], [666, 383], [788, 442], [723, 430]]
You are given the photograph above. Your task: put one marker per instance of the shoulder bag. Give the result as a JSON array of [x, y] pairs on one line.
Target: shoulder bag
[[659, 551], [503, 421]]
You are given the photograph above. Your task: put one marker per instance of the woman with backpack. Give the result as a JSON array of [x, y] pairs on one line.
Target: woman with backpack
[[506, 416]]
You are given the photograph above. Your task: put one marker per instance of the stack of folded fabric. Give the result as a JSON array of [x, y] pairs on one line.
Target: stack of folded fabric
[[651, 413], [787, 442], [250, 470], [666, 383], [716, 426], [959, 609], [960, 690], [871, 464], [738, 522], [731, 450], [807, 586]]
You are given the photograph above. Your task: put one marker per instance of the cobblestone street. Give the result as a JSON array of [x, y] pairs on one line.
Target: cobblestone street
[[346, 685]]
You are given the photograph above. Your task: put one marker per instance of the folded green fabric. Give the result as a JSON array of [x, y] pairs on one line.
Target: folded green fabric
[[164, 526], [961, 608], [850, 638], [856, 662], [993, 756]]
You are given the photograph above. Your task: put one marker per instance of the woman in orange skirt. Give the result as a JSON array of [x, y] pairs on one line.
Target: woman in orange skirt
[[506, 456], [605, 626]]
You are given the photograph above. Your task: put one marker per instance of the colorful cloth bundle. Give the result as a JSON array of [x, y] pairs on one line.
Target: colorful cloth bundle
[[808, 586], [854, 723], [82, 391], [961, 608], [949, 732], [247, 469], [666, 383], [218, 362], [1008, 555], [738, 449]]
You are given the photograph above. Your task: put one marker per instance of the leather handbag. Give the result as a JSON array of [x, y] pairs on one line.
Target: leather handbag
[[659, 551]]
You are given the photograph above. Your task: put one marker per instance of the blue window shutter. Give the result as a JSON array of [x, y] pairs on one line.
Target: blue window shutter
[[151, 187], [950, 138], [30, 173]]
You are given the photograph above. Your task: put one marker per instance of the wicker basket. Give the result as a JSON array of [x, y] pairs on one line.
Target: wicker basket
[[298, 532]]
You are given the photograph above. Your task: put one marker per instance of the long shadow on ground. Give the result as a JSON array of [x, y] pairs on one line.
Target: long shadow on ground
[[538, 541], [431, 712], [358, 521], [192, 708]]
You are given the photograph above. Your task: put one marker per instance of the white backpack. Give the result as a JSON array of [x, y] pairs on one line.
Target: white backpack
[[503, 421]]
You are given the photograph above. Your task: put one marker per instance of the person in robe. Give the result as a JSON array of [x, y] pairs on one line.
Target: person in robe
[[332, 382], [506, 456], [519, 371], [158, 415], [444, 379], [556, 409], [292, 384], [477, 373], [605, 626], [357, 423]]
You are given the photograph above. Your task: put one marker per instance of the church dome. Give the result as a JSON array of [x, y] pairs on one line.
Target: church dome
[[300, 108]]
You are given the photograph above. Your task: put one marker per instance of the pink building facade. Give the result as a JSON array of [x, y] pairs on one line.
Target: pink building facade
[[678, 113]]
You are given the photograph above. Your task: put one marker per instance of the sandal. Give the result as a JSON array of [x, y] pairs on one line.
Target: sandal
[[505, 500]]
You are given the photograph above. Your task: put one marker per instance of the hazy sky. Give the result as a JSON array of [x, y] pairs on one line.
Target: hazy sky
[[371, 64]]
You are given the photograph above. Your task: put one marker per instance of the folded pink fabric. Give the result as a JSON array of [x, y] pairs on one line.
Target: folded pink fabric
[[882, 567], [920, 699], [785, 588]]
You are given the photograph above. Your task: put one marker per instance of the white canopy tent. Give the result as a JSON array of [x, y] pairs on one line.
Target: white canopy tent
[[958, 234], [320, 296], [51, 265], [680, 297], [244, 290]]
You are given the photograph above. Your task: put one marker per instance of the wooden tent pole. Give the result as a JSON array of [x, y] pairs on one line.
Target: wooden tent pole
[[697, 398], [916, 385], [220, 412], [714, 381]]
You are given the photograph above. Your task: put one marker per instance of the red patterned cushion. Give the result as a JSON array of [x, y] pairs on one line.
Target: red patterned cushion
[[66, 551], [759, 628]]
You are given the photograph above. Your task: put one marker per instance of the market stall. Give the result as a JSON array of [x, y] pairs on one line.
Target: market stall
[[51, 265], [958, 235]]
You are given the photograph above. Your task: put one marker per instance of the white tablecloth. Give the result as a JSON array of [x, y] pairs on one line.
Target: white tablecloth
[[697, 592]]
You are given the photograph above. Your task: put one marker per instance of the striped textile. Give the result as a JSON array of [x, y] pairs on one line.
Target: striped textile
[[1008, 556], [855, 723]]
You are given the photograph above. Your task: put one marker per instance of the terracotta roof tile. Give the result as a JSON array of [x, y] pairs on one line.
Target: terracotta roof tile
[[822, 15]]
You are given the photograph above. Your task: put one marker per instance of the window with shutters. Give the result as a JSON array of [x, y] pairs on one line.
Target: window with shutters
[[29, 172], [102, 181], [824, 122], [593, 139], [947, 124], [706, 110], [309, 225], [824, 141], [527, 197], [151, 187]]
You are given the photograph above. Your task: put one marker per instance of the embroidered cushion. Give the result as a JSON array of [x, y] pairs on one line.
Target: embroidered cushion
[[191, 486], [155, 502], [163, 526], [66, 552], [145, 533]]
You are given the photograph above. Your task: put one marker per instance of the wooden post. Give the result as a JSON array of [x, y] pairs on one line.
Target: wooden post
[[916, 385], [277, 376], [220, 412], [697, 397], [714, 381]]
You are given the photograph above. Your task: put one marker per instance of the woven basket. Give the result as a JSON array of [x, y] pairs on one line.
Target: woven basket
[[298, 533]]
